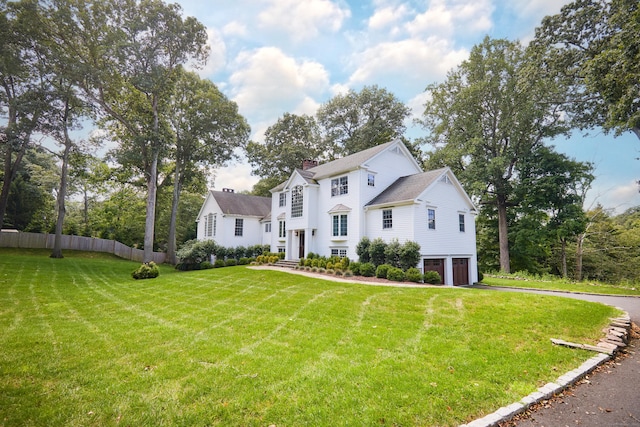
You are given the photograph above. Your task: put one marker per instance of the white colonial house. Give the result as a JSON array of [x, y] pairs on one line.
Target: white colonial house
[[234, 220], [380, 192]]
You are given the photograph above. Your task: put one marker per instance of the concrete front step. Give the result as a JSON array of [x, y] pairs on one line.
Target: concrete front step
[[287, 263]]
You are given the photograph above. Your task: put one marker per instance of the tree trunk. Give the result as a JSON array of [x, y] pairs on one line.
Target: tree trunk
[[171, 244], [503, 234], [62, 194], [149, 226], [579, 253]]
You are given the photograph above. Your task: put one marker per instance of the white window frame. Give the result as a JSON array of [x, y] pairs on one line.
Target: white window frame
[[239, 227], [371, 180], [283, 199], [431, 218], [282, 229], [297, 201], [387, 219], [340, 186], [340, 220], [267, 227]]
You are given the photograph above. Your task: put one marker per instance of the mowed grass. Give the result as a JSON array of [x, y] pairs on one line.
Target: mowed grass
[[563, 285], [82, 344]]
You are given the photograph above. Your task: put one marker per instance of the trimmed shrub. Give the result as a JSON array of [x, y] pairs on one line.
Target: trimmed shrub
[[231, 262], [409, 255], [244, 261], [367, 269], [395, 274], [432, 277], [413, 275], [381, 271], [392, 253], [146, 271], [219, 263], [354, 267], [205, 265], [376, 251], [362, 249]]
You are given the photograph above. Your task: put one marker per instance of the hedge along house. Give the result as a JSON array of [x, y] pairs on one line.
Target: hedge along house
[[233, 219], [380, 192]]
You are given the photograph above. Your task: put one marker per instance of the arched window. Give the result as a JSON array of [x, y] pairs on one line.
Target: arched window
[[296, 201]]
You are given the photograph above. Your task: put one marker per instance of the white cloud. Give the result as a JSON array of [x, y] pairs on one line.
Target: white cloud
[[411, 60], [387, 16], [267, 82], [447, 18], [236, 176], [235, 28], [217, 56], [303, 20]]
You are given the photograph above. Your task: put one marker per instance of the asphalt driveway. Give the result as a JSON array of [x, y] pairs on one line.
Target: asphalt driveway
[[609, 397]]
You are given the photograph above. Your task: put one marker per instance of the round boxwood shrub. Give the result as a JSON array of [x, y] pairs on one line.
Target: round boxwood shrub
[[395, 274], [381, 271], [231, 262], [219, 263], [432, 277], [354, 267], [146, 271], [413, 275], [367, 269]]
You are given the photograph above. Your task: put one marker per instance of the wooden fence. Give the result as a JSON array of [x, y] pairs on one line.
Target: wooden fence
[[18, 239]]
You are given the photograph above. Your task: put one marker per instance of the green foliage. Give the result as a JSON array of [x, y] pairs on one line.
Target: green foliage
[[230, 262], [376, 251], [367, 269], [432, 277], [395, 274], [409, 255], [354, 267], [381, 271], [392, 253], [219, 263], [413, 275], [147, 270], [362, 249]]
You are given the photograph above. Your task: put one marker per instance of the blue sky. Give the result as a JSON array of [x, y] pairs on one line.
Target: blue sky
[[277, 56]]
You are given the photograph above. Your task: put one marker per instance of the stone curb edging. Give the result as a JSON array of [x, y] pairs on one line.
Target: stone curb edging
[[561, 292], [551, 389]]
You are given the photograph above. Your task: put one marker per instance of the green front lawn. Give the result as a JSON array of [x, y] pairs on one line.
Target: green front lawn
[[84, 344], [561, 285]]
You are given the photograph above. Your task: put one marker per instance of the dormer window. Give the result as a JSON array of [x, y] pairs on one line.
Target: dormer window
[[340, 186]]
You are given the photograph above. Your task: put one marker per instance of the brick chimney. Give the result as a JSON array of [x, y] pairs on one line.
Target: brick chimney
[[308, 164]]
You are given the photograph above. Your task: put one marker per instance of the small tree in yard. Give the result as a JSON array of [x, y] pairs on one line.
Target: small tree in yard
[[362, 249], [409, 255], [377, 251]]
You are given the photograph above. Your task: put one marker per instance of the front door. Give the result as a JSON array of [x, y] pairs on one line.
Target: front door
[[460, 271], [301, 244]]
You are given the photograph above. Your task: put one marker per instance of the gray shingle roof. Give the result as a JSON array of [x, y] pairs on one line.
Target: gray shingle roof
[[347, 163], [242, 204], [407, 187]]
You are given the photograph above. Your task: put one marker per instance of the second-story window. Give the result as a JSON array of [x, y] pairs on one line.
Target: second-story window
[[340, 186], [283, 199], [461, 222], [340, 227], [431, 219], [296, 201], [239, 227], [371, 180]]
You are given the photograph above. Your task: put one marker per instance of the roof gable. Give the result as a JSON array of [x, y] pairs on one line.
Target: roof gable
[[409, 188], [242, 204]]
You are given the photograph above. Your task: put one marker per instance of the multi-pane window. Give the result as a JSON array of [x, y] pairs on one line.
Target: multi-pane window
[[210, 225], [282, 229], [461, 222], [239, 226], [338, 252], [215, 224], [267, 227], [340, 186], [296, 201], [339, 225], [283, 199], [387, 218], [431, 218], [371, 180]]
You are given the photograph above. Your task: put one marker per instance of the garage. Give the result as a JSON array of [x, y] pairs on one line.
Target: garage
[[436, 264], [460, 271]]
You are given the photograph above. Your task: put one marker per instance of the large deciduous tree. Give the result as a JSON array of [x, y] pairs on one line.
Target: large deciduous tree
[[127, 55], [24, 87], [356, 121], [594, 45], [290, 141], [206, 128], [488, 114]]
